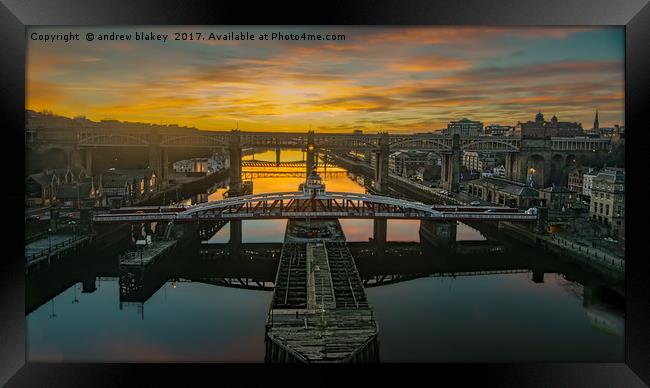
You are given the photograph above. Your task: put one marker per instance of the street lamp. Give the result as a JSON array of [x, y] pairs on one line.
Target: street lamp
[[49, 238]]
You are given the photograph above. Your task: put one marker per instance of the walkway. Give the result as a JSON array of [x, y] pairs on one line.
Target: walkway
[[54, 244]]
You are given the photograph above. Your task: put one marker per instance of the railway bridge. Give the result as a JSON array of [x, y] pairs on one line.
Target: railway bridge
[[547, 159]]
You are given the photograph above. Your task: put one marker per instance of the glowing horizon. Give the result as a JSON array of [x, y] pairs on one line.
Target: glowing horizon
[[396, 79]]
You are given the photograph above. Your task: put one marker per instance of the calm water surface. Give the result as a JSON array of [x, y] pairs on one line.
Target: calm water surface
[[429, 316]]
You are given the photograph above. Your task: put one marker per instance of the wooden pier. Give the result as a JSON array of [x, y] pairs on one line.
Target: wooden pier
[[146, 255], [319, 311]]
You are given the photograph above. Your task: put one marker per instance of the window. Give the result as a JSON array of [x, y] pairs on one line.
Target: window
[[607, 209]]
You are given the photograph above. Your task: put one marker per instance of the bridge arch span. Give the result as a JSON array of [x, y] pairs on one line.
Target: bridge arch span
[[423, 144], [301, 204], [112, 139], [489, 145], [195, 140]]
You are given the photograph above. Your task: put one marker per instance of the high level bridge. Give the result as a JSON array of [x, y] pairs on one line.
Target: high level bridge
[[547, 158]]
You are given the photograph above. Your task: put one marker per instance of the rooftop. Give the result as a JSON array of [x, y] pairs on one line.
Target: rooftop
[[42, 178], [612, 174], [69, 190], [508, 186], [557, 189]]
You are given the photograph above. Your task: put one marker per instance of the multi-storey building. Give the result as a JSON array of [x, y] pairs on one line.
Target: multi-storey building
[[499, 130], [465, 127], [479, 161], [541, 128], [587, 183], [576, 179], [405, 163], [608, 198]]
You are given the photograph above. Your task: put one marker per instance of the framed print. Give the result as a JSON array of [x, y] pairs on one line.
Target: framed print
[[436, 187]]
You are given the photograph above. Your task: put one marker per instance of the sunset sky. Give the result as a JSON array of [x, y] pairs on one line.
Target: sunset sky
[[396, 79]]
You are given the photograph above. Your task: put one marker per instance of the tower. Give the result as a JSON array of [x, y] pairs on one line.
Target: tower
[[596, 125]]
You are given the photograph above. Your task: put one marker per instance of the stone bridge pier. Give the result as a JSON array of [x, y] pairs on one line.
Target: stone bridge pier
[[235, 186], [379, 234], [88, 285], [441, 234], [450, 169], [533, 165], [235, 237], [381, 164]]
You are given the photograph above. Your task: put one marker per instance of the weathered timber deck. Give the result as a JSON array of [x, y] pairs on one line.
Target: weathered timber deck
[[146, 255], [319, 311]]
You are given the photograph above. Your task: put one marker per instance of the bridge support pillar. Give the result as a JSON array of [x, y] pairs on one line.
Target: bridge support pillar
[[74, 159], [277, 156], [235, 237], [590, 296], [235, 164], [155, 155], [538, 276], [88, 285], [310, 153], [513, 167], [89, 162], [165, 168], [154, 159], [450, 169], [381, 164], [379, 234], [441, 234]]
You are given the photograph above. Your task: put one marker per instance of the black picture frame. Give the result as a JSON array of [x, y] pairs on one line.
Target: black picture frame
[[15, 15]]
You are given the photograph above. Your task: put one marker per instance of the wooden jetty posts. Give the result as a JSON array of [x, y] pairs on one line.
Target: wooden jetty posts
[[319, 311]]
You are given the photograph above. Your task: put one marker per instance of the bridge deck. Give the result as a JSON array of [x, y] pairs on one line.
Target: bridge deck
[[322, 315]]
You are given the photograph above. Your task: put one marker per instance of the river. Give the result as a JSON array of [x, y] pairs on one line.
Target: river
[[519, 306]]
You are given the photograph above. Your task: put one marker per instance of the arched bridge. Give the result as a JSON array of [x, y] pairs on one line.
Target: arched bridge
[[302, 205], [291, 164]]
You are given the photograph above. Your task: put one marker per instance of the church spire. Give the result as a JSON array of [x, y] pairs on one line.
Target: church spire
[[596, 124]]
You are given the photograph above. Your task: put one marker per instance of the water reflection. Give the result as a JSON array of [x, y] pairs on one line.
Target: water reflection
[[209, 302]]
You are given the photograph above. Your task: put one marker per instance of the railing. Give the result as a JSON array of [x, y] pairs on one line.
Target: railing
[[600, 257], [54, 247]]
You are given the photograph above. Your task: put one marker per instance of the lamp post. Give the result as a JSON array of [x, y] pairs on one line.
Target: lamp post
[[49, 239]]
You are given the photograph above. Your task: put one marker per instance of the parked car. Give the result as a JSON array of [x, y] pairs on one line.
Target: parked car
[[475, 203]]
